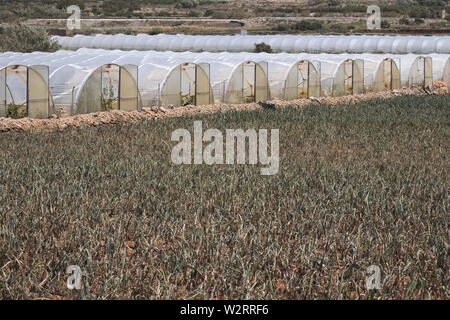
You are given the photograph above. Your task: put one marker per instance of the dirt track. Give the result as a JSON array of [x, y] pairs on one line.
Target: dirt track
[[122, 117]]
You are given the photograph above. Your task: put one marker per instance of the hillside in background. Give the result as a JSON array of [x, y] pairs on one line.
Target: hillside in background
[[259, 16]]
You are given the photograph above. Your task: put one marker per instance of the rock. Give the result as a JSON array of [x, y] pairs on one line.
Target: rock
[[170, 106], [163, 109], [315, 99]]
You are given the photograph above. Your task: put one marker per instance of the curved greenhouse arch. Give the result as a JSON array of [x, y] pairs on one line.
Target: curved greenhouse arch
[[176, 83], [441, 68], [416, 70], [342, 76], [279, 43], [387, 76], [248, 82], [302, 80], [104, 87], [24, 91], [381, 73]]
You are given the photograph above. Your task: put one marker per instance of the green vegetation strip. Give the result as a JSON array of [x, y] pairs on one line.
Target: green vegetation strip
[[357, 186]]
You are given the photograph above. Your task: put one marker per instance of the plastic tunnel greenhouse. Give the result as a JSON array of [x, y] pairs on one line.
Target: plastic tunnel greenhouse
[[96, 88], [175, 83], [24, 91], [381, 74], [341, 76], [279, 43], [441, 68], [237, 81]]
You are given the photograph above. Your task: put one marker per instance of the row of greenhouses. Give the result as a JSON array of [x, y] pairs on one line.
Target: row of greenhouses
[[247, 43], [90, 80]]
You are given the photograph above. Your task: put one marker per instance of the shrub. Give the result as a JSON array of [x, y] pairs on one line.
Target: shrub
[[186, 4], [188, 100], [193, 14], [263, 47], [305, 25], [404, 21], [385, 24], [155, 31], [219, 15], [16, 111], [21, 38]]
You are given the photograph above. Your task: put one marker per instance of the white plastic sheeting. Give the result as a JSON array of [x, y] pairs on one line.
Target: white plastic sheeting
[[279, 43], [24, 91], [77, 78], [441, 67]]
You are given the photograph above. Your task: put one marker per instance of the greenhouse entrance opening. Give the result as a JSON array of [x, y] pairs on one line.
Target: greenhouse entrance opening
[[348, 73], [24, 92], [302, 79], [188, 84], [16, 92], [183, 84], [387, 76], [103, 88], [110, 77], [349, 78], [446, 73], [421, 72], [248, 82], [387, 68]]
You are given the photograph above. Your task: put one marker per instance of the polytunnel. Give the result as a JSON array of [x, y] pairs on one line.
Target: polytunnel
[[441, 68], [381, 74], [237, 81], [24, 91], [302, 80], [280, 43], [80, 89], [341, 76], [175, 83], [294, 80]]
